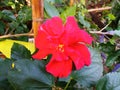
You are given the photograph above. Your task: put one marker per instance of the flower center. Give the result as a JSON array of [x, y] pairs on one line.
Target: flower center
[[60, 47]]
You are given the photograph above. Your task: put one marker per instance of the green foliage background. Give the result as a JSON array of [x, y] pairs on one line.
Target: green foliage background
[[21, 72]]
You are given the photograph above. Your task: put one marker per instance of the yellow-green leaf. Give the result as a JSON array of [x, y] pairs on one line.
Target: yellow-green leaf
[[6, 45]]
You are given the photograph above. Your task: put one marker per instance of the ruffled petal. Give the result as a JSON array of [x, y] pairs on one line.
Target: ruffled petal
[[74, 34], [60, 56], [41, 40], [44, 41], [84, 37], [85, 53], [40, 54], [49, 32], [59, 68], [80, 55], [53, 26]]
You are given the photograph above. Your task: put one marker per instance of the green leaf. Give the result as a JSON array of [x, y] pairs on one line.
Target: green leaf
[[107, 47], [5, 67], [1, 15], [89, 75], [8, 15], [55, 1], [25, 14], [23, 38], [112, 58], [30, 75], [13, 25], [58, 1], [82, 2], [70, 11], [111, 17], [20, 52], [21, 29], [50, 9], [51, 1], [2, 28], [110, 81], [83, 21]]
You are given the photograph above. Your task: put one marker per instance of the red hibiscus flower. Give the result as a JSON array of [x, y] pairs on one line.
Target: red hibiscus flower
[[67, 44]]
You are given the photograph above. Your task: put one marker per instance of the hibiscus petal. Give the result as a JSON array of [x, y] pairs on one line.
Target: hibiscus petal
[[49, 32], [44, 41], [41, 40], [85, 53], [53, 26], [59, 68], [84, 37], [60, 56], [40, 54], [74, 34], [80, 55]]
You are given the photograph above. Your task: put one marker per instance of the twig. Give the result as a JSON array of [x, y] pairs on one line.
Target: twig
[[17, 35], [105, 27], [98, 32], [99, 9], [67, 84]]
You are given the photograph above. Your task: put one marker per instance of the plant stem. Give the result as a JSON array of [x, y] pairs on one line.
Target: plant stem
[[98, 32], [17, 35], [67, 84], [99, 9], [105, 26]]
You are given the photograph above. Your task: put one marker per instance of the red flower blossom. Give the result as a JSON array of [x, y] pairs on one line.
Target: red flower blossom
[[67, 44]]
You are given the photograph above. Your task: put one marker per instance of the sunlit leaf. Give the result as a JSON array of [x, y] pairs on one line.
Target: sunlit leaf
[[82, 2], [6, 45], [111, 17]]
